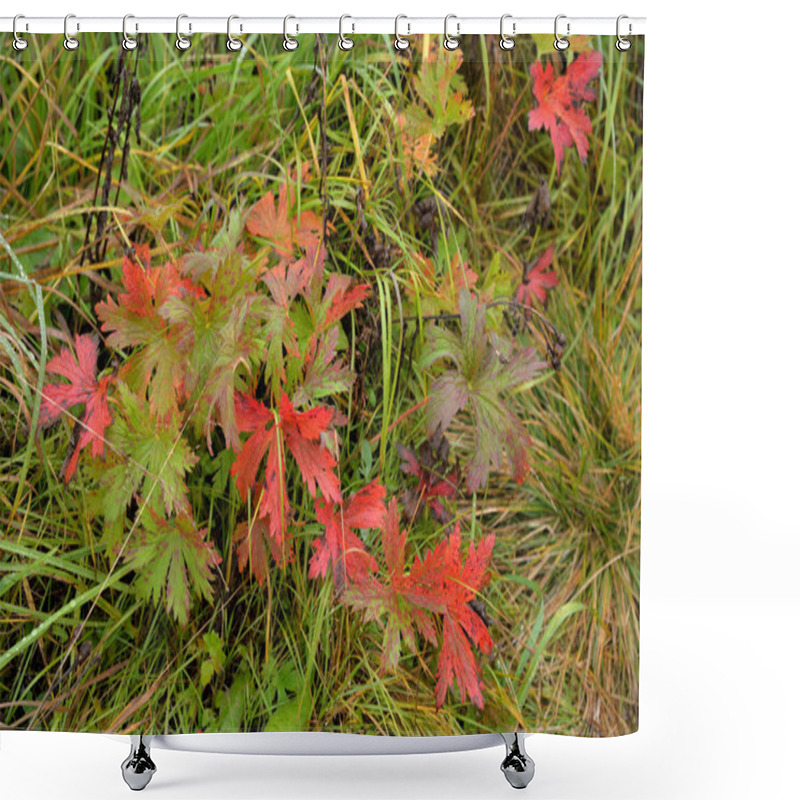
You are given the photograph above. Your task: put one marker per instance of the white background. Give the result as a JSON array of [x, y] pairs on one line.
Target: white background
[[720, 702]]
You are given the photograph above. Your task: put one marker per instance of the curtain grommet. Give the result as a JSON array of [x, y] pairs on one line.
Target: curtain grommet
[[19, 44], [345, 42], [623, 44], [182, 42], [233, 44], [401, 42], [290, 44], [70, 42], [507, 42], [561, 44], [450, 42]]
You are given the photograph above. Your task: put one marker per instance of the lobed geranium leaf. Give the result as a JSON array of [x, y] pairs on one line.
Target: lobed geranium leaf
[[442, 102], [274, 434], [325, 374], [136, 320], [220, 335], [82, 388], [559, 99], [158, 457], [341, 548], [482, 373], [282, 226], [432, 595], [536, 281], [435, 479], [173, 561]]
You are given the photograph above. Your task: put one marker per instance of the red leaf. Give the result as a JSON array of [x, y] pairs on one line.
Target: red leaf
[[438, 586], [341, 546], [147, 289], [302, 432], [462, 625], [343, 297], [251, 416], [136, 320], [392, 594], [82, 388], [273, 434], [271, 502], [536, 282], [559, 98]]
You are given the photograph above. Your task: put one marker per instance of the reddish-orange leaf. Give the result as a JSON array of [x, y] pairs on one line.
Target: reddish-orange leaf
[[391, 593], [437, 587], [536, 282], [343, 297], [82, 388], [146, 290], [251, 417], [273, 435], [302, 433], [280, 224], [462, 627], [265, 445], [273, 223], [559, 99], [341, 547], [136, 321]]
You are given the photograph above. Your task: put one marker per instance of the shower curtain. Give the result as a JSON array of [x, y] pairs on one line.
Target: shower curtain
[[320, 385]]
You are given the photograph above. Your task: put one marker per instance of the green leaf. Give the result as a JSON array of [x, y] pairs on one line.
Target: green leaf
[[443, 91], [173, 561], [232, 704], [212, 645], [156, 451], [366, 458], [220, 333], [291, 716]]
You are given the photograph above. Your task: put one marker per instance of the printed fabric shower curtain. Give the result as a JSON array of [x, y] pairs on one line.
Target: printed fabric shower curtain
[[320, 385]]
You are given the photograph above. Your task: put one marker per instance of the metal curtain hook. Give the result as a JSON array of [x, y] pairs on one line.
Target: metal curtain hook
[[507, 42], [181, 42], [233, 44], [19, 44], [450, 42], [345, 42], [400, 42], [128, 42], [561, 43], [70, 42], [289, 42], [623, 44]]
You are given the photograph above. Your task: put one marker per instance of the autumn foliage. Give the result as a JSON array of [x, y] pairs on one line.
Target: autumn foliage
[[560, 100], [82, 387], [241, 355]]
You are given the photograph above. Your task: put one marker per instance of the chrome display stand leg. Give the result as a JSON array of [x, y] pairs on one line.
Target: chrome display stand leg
[[517, 766], [138, 768]]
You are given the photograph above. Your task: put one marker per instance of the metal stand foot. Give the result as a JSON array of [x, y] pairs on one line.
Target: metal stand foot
[[517, 766], [138, 768]]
